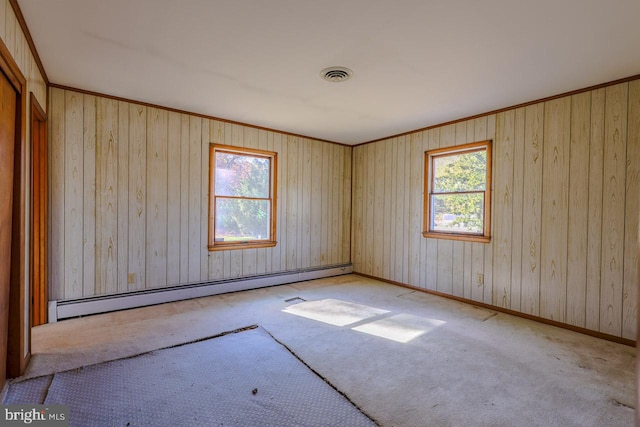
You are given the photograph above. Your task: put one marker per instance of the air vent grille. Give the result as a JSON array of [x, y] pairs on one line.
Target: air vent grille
[[336, 74]]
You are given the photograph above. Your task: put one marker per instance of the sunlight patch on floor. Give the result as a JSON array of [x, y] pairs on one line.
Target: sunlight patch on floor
[[334, 312], [401, 328]]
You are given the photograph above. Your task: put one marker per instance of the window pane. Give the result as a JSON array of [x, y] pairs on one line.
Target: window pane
[[241, 175], [458, 213], [242, 220], [460, 172]]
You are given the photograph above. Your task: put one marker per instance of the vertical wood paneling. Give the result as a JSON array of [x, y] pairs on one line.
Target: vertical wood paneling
[[299, 190], [276, 260], [517, 214], [19, 47], [615, 133], [488, 249], [445, 267], [503, 208], [378, 208], [137, 264], [576, 267], [565, 205], [174, 163], [329, 199], [204, 199], [147, 211], [337, 204], [346, 216], [369, 200], [123, 195], [532, 209], [415, 208], [10, 29], [407, 214], [195, 193], [478, 249], [357, 233], [269, 254], [327, 175], [594, 238], [304, 171], [89, 196], [3, 20], [292, 205], [106, 196], [388, 184], [216, 258], [432, 244], [334, 197], [390, 191], [356, 228], [424, 243], [401, 214], [632, 210], [316, 200], [555, 204], [578, 209], [73, 178], [56, 191]]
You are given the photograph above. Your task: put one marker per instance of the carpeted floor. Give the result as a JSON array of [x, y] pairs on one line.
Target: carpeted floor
[[238, 379], [405, 358]]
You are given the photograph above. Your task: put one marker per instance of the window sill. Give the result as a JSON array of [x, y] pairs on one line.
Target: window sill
[[241, 245], [454, 236]]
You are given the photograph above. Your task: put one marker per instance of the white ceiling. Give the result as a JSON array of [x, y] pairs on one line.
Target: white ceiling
[[416, 63]]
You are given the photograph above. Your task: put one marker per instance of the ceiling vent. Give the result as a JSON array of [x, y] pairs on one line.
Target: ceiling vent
[[336, 74]]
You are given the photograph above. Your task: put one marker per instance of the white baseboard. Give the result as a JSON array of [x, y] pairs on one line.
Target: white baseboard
[[64, 309]]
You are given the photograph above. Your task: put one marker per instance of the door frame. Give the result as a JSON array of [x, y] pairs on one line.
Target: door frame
[[39, 210], [19, 334]]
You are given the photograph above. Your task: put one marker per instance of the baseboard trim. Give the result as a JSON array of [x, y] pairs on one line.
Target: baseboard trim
[[573, 328], [64, 309]]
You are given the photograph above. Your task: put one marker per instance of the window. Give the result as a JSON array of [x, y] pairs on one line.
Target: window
[[242, 208], [458, 192]]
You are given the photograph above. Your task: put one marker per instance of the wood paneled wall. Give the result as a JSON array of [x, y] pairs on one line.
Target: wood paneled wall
[[129, 198], [566, 193], [16, 42]]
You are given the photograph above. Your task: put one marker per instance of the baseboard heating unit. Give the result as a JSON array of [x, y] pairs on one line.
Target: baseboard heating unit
[[64, 309]]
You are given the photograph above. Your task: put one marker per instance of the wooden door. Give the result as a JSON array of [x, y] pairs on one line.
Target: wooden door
[[7, 151]]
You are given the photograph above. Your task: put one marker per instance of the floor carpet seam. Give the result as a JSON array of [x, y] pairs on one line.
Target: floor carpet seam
[[329, 383], [221, 334]]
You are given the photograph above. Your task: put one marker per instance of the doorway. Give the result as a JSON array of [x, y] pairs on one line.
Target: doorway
[[39, 203]]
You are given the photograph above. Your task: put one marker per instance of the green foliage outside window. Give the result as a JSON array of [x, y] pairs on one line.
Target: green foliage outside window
[[242, 192], [466, 174]]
